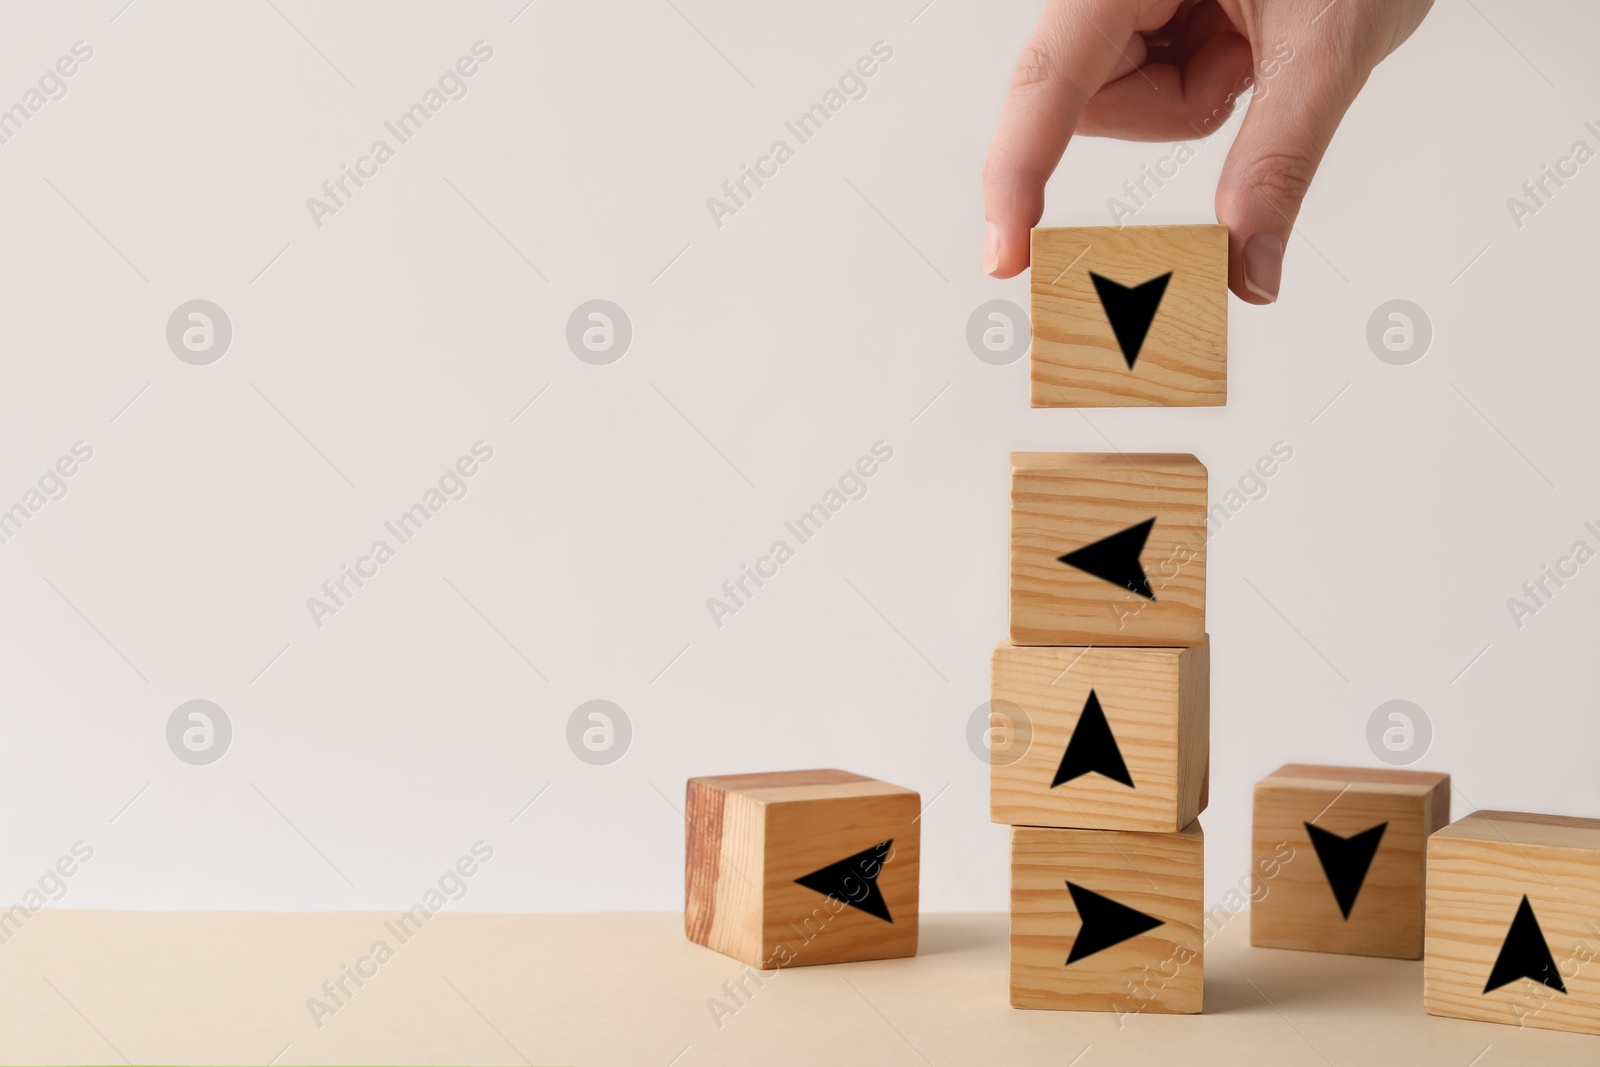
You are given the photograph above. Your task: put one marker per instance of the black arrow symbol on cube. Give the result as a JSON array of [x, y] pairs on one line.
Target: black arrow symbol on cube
[[1130, 310], [1105, 922], [854, 880], [1525, 954], [1093, 748], [1115, 559], [1346, 860]]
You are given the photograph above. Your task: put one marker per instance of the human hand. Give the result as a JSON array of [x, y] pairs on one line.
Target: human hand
[[1160, 70]]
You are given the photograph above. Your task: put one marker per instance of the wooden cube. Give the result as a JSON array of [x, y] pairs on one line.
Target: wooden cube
[[1513, 931], [801, 867], [1118, 738], [1130, 316], [1107, 920], [1347, 844], [1107, 549]]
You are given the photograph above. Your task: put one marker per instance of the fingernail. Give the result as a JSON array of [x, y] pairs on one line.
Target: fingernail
[[1263, 265], [991, 249]]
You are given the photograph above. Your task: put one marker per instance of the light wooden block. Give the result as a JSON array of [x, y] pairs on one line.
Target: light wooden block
[[1069, 892], [1513, 931], [1136, 757], [1364, 849], [757, 849], [1079, 361], [1090, 503]]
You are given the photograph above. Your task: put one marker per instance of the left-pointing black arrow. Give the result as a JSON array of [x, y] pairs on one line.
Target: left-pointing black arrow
[[854, 880], [1115, 559]]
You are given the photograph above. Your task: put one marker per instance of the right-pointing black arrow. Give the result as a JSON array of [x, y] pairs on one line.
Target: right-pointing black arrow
[[1115, 559], [1525, 954], [1105, 922]]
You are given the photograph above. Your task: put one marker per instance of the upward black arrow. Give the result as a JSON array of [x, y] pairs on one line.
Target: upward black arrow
[[1105, 922], [1115, 559], [1346, 860], [1130, 310], [1524, 954], [854, 880], [1093, 748]]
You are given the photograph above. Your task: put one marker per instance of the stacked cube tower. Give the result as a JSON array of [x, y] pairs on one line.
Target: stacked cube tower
[[1100, 715], [1100, 698]]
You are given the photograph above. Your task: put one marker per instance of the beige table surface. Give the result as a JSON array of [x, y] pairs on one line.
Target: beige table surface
[[109, 987]]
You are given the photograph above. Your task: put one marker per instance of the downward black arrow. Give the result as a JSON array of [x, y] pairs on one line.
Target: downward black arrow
[[1346, 860], [1130, 310]]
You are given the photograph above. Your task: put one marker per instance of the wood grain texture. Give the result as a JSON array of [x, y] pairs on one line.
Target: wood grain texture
[[748, 837], [1479, 870], [1159, 971], [1156, 702], [1296, 908], [1076, 361], [1064, 501]]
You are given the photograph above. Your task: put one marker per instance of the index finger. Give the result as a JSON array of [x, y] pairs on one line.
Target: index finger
[[1076, 48]]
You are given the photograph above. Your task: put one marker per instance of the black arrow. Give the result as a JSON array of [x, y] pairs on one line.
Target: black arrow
[[1346, 860], [1093, 748], [854, 880], [1130, 310], [1105, 922], [1115, 559], [1525, 954]]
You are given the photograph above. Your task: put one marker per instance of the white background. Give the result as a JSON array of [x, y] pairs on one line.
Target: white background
[[767, 355]]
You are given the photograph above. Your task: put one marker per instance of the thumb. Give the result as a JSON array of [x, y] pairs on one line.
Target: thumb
[[1296, 107]]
